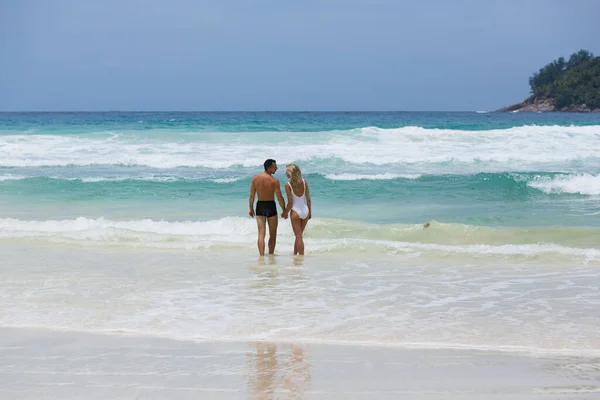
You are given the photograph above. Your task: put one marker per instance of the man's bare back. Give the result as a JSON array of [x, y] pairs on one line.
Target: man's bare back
[[267, 188]]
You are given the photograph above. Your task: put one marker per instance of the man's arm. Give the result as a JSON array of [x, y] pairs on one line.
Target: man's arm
[[279, 195], [251, 200]]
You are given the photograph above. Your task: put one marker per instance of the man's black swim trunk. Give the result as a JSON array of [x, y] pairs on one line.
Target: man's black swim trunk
[[266, 208]]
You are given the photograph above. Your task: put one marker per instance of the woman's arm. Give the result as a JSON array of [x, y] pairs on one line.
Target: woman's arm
[[308, 201], [288, 192]]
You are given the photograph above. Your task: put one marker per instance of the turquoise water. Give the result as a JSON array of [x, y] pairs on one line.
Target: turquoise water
[[398, 169]]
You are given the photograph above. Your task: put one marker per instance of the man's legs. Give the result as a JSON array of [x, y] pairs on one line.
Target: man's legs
[[262, 230], [273, 221]]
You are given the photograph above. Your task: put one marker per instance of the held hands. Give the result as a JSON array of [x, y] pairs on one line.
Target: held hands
[[284, 215]]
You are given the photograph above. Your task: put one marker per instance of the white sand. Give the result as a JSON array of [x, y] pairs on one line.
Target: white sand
[[43, 364]]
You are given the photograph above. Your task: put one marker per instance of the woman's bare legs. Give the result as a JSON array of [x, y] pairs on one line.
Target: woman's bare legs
[[298, 229]]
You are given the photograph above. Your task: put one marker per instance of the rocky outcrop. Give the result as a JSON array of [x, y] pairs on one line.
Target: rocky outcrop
[[533, 104], [578, 108]]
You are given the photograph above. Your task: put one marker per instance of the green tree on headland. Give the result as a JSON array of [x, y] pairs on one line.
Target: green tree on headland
[[572, 82]]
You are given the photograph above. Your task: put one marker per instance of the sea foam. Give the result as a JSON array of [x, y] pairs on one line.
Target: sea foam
[[517, 148]]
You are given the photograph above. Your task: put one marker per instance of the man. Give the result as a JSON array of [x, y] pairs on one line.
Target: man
[[267, 186]]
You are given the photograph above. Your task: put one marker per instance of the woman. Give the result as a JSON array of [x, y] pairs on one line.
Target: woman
[[298, 203]]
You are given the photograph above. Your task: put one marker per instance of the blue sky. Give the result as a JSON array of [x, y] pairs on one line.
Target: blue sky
[[282, 55]]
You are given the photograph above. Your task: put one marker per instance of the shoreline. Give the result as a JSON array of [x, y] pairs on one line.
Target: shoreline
[[51, 364], [389, 301], [517, 351]]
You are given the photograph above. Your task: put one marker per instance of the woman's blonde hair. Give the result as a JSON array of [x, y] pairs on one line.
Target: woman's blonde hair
[[295, 176]]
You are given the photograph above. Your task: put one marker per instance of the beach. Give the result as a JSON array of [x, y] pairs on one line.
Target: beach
[[41, 364], [450, 255], [119, 323]]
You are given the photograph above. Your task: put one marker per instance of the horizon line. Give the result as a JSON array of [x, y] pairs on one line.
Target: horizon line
[[236, 111]]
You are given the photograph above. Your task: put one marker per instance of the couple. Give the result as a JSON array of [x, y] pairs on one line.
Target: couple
[[267, 187]]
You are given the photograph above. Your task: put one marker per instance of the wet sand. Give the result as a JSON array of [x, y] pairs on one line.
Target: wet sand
[[44, 364]]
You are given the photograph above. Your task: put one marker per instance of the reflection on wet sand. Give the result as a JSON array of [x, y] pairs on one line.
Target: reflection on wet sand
[[271, 373], [298, 261], [266, 273], [270, 271]]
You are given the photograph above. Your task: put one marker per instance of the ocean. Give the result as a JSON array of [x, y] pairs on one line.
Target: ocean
[[138, 223]]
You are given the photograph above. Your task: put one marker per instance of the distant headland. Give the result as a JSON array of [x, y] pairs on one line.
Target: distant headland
[[566, 86]]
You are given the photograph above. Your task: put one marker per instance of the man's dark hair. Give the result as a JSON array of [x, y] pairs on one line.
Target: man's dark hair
[[269, 163]]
